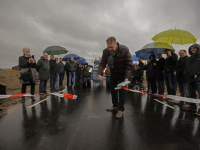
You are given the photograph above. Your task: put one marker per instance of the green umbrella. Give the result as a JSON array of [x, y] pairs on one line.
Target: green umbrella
[[55, 50]]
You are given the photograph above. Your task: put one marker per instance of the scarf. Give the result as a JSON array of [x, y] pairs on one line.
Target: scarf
[[111, 59]]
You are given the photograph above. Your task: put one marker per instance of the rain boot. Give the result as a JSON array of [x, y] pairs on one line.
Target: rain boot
[[23, 100], [33, 98]]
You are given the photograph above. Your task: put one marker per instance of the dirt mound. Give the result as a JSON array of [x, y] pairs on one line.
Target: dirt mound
[[10, 79]]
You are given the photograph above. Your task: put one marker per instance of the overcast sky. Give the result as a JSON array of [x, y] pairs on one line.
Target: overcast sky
[[82, 26]]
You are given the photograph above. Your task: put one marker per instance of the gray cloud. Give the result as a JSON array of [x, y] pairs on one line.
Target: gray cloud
[[83, 26]]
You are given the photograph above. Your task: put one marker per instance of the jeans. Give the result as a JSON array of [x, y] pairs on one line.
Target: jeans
[[122, 95], [72, 75], [153, 84], [170, 83], [43, 86], [67, 73], [183, 89], [161, 87], [32, 88], [192, 88], [56, 83], [52, 81], [61, 77]]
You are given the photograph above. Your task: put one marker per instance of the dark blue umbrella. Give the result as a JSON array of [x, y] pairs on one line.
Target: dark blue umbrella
[[144, 55], [80, 59], [83, 63], [68, 57]]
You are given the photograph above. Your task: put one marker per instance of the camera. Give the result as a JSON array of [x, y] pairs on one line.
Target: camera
[[33, 56]]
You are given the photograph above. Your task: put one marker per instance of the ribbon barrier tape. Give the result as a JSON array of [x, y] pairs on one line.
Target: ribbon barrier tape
[[184, 99], [64, 95]]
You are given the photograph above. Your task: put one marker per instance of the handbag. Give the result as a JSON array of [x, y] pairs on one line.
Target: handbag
[[26, 76]]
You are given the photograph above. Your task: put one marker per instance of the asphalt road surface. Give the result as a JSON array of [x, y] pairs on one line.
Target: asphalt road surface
[[84, 124]]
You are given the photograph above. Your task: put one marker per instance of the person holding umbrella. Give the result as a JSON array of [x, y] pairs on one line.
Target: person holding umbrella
[[53, 73], [151, 73], [169, 76], [62, 73]]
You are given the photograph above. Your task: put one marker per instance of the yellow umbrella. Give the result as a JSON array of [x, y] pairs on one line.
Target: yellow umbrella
[[175, 36]]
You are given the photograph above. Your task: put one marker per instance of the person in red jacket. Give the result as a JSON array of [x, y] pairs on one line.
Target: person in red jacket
[[119, 60]]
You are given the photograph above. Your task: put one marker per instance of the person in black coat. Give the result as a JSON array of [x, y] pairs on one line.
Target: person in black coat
[[151, 73], [169, 76], [53, 73], [178, 72], [141, 64], [192, 75], [27, 62], [159, 66], [137, 74], [67, 71]]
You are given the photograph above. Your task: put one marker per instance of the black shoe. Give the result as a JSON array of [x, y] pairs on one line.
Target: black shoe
[[23, 100], [33, 98]]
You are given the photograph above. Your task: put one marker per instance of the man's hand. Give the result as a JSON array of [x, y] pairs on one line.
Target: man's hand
[[126, 81], [101, 78], [195, 76], [132, 76], [33, 60], [175, 73], [154, 64]]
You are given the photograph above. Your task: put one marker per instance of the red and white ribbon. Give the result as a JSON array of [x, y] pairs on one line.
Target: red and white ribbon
[[64, 95], [184, 99]]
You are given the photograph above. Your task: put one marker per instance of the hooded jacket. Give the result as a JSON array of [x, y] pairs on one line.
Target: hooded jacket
[[170, 62], [122, 63], [179, 68], [43, 68], [150, 68], [192, 65]]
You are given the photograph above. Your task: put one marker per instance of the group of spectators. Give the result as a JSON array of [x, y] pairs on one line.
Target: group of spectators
[[182, 73], [53, 69]]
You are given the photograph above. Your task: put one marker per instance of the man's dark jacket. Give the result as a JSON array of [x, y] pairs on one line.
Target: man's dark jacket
[[137, 74], [72, 66], [141, 64], [192, 65], [53, 67], [159, 69], [122, 63], [179, 68], [151, 73], [170, 63]]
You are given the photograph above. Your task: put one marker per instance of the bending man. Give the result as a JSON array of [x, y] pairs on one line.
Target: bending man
[[118, 58]]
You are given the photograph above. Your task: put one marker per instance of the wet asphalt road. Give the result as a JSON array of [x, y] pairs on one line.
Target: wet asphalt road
[[84, 124]]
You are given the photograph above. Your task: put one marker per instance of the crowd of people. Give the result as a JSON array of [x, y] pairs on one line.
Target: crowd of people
[[182, 74], [53, 69]]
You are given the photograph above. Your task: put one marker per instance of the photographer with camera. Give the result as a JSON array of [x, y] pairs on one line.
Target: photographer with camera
[[28, 76]]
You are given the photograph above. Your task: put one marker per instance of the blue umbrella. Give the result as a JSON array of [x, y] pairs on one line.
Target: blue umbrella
[[144, 55], [68, 57], [135, 58], [83, 63], [80, 59]]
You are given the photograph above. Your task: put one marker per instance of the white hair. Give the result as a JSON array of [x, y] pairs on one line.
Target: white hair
[[25, 49]]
